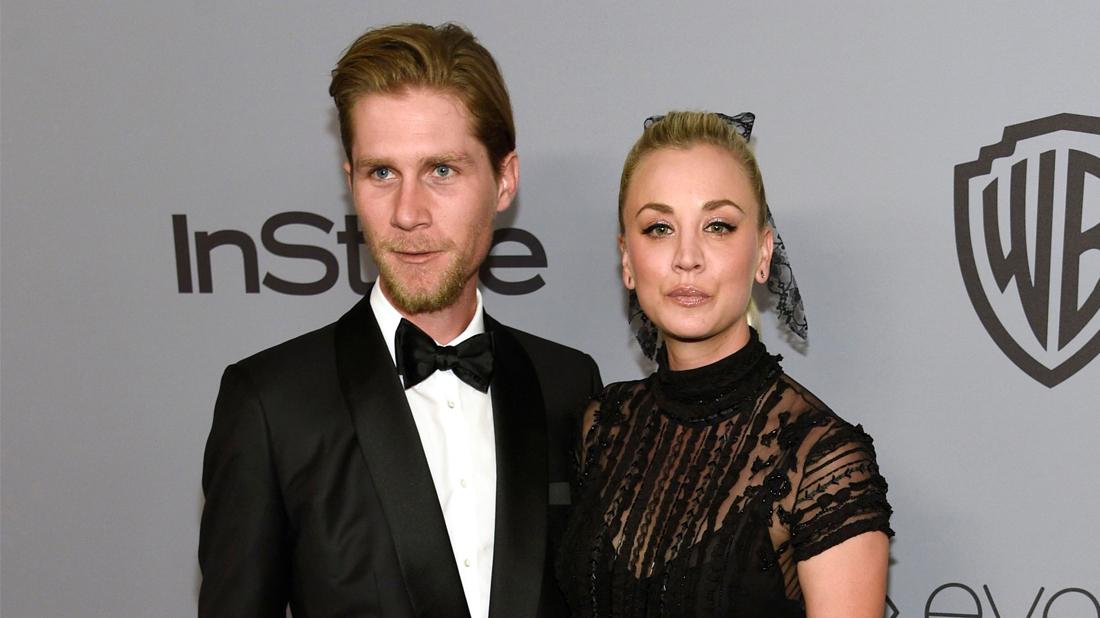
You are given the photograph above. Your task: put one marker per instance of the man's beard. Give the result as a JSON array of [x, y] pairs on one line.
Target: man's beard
[[404, 294]]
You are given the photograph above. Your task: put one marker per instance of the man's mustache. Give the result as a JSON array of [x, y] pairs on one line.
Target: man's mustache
[[414, 245]]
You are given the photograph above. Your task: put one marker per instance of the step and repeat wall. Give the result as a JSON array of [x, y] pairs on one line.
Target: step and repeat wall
[[173, 200]]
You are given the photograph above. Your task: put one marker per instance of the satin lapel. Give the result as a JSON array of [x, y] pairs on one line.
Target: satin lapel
[[391, 445], [519, 422]]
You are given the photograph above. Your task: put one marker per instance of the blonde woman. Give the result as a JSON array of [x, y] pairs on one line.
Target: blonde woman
[[717, 486]]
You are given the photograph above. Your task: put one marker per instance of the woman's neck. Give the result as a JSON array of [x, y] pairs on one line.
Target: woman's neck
[[690, 354]]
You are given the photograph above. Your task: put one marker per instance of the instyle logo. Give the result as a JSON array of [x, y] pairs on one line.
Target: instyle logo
[[1027, 230], [195, 252]]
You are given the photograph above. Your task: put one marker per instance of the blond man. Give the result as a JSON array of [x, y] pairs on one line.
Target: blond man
[[409, 459]]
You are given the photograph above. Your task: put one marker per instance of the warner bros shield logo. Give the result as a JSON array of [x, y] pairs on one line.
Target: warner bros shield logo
[[1027, 228]]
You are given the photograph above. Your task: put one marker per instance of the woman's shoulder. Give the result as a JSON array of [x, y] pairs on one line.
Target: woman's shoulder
[[613, 403], [818, 422], [617, 391], [800, 399]]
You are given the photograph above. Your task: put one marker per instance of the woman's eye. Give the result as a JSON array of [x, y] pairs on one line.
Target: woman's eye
[[719, 227], [657, 229]]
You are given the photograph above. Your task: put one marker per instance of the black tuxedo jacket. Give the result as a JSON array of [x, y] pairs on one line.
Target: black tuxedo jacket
[[318, 494]]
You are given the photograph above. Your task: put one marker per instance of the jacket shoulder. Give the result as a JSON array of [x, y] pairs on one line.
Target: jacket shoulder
[[310, 350], [545, 350], [560, 368]]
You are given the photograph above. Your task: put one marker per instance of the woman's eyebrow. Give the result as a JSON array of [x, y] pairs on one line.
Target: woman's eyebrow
[[664, 209], [715, 204]]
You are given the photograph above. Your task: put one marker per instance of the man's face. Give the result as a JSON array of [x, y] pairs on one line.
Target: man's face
[[426, 195]]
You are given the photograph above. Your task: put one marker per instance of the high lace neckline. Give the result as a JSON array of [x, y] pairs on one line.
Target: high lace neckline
[[717, 391]]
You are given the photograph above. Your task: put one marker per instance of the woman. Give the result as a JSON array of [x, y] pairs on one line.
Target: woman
[[717, 486]]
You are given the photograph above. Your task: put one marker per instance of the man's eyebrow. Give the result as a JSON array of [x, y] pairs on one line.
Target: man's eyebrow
[[367, 163], [448, 157], [432, 159]]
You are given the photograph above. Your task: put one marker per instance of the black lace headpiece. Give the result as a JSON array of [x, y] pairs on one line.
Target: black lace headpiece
[[781, 280]]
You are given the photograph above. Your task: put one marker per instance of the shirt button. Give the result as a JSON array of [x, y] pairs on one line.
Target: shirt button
[[450, 403], [463, 483], [466, 562]]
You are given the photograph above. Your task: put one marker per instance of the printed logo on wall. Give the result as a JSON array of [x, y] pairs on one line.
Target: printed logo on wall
[[1027, 229], [202, 245]]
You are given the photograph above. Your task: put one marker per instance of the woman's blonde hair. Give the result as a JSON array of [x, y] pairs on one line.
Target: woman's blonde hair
[[682, 129]]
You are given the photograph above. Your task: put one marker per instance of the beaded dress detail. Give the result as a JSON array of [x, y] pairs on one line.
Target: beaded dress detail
[[700, 490]]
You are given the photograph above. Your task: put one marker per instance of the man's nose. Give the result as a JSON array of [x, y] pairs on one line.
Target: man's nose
[[411, 209]]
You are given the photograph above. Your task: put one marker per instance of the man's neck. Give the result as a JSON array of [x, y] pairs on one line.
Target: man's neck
[[447, 323]]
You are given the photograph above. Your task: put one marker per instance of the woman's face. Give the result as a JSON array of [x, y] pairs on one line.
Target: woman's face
[[692, 245]]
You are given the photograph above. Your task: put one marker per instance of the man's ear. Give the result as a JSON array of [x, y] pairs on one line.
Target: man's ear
[[347, 174], [507, 180]]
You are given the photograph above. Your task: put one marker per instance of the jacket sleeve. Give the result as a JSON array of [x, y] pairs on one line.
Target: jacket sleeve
[[595, 382], [243, 547]]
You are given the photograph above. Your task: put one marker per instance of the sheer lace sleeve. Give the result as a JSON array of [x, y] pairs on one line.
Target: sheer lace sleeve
[[841, 493]]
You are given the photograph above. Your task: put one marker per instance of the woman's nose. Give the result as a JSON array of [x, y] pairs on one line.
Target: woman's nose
[[688, 255]]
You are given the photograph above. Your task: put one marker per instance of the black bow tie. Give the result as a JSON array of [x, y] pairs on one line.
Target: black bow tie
[[418, 356]]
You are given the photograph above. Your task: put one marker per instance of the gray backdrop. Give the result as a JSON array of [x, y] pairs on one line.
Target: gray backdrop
[[117, 116]]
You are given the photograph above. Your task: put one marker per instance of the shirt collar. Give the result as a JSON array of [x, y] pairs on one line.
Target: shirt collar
[[388, 318]]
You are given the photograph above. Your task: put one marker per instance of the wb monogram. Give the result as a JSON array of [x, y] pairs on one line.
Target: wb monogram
[[1027, 229]]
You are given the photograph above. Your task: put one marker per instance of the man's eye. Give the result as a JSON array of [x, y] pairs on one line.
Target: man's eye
[[658, 229], [442, 170], [382, 173]]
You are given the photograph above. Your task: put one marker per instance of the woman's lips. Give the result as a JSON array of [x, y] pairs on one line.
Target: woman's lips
[[688, 296]]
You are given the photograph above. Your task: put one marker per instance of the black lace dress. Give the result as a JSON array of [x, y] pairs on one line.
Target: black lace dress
[[700, 490]]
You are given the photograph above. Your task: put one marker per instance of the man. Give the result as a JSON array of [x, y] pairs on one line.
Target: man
[[411, 458]]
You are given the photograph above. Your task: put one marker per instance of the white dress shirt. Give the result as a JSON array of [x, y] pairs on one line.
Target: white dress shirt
[[455, 422]]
